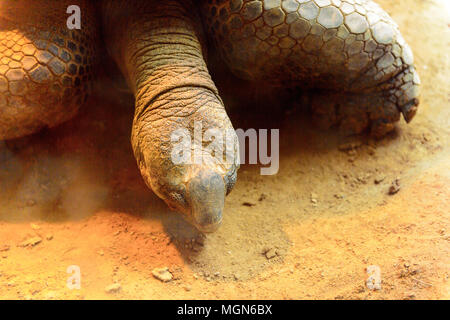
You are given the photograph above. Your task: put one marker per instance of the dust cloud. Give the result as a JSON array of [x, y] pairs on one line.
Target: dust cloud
[[51, 188]]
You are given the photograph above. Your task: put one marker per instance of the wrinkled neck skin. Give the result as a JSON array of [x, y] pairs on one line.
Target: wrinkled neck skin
[[157, 46], [148, 39]]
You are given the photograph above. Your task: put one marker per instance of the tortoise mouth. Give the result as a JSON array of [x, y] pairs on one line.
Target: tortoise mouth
[[206, 196]]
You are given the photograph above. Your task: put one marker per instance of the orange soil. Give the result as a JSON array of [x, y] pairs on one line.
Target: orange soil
[[78, 189]]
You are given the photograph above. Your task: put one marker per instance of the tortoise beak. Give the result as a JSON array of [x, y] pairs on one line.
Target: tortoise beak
[[206, 195]]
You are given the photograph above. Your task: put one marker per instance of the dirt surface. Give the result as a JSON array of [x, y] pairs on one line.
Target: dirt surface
[[73, 196]]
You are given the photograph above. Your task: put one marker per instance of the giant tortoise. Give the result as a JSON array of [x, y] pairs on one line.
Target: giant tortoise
[[349, 51]]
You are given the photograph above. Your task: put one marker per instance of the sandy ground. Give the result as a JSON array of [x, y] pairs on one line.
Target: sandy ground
[[73, 196]]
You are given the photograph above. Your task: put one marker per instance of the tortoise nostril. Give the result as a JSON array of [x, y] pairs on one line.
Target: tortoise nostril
[[206, 195]]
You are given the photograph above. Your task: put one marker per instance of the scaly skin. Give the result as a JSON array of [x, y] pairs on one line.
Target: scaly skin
[[45, 68], [349, 53], [351, 49]]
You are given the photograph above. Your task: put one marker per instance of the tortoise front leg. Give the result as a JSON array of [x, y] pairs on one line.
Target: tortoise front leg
[[350, 52]]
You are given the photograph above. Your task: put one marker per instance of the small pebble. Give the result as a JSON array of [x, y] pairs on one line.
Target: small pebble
[[187, 287], [162, 274], [379, 180], [349, 146], [314, 198], [34, 226], [31, 242], [248, 204], [394, 188], [270, 254], [113, 288]]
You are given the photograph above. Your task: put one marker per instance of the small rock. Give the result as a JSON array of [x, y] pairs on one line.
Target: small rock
[[4, 247], [394, 188], [34, 226], [31, 242], [162, 274], [426, 137], [379, 180], [270, 254], [113, 288], [248, 204], [187, 287], [313, 198], [362, 179], [49, 237]]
